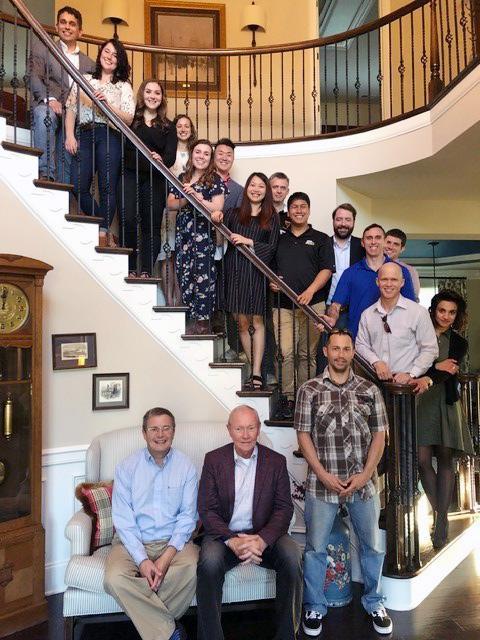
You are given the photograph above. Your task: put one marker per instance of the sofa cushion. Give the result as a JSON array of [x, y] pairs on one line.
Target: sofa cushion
[[96, 499], [242, 583]]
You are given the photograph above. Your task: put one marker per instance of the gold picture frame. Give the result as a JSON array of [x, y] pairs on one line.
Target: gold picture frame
[[186, 25]]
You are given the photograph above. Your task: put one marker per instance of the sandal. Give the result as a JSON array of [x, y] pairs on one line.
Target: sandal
[[256, 383]]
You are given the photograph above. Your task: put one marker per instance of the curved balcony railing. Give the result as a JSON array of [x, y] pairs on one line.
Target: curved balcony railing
[[388, 69]]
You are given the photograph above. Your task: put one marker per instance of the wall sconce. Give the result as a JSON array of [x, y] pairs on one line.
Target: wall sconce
[[253, 19], [115, 12]]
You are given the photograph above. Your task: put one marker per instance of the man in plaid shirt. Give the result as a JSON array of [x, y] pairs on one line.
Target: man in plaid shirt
[[341, 423]]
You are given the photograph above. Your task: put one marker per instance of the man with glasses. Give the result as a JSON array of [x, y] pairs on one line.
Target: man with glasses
[[341, 422], [245, 505], [396, 335], [151, 569]]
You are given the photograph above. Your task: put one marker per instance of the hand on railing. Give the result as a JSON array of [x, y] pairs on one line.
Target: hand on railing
[[383, 370], [217, 217], [329, 320]]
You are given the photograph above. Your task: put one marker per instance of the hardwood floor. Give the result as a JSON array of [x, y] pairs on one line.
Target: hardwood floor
[[451, 612]]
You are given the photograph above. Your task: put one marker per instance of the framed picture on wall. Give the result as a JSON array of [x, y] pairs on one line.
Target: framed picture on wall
[[110, 391], [186, 25], [74, 350]]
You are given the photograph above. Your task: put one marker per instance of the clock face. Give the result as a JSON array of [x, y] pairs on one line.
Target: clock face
[[14, 308]]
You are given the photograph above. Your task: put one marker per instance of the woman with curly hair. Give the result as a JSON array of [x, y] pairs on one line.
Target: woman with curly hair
[[255, 224], [442, 427], [98, 148], [154, 129], [195, 239]]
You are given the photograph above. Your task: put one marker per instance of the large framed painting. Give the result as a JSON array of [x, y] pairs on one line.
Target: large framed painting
[[186, 25]]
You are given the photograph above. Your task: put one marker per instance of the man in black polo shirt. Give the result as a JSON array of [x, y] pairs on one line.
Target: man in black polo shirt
[[305, 261]]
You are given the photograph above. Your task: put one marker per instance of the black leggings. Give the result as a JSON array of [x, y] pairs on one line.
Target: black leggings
[[438, 485]]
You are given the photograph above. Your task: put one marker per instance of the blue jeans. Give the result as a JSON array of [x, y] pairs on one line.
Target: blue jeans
[[319, 517], [55, 161], [96, 155]]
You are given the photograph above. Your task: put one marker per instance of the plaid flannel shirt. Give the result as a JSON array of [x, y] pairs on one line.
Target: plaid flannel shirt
[[340, 420]]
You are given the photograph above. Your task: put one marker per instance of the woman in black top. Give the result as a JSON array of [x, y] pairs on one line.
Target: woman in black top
[[442, 428], [256, 225], [153, 128]]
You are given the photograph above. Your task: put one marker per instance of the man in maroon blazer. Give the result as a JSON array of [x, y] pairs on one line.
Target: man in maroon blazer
[[245, 506]]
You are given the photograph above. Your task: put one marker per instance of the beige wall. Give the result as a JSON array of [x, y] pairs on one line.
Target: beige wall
[[74, 302], [473, 295]]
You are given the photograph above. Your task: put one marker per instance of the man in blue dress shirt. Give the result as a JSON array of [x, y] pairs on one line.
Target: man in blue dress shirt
[[357, 289], [151, 569]]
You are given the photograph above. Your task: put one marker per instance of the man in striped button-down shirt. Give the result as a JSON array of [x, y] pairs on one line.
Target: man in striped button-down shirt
[[341, 423]]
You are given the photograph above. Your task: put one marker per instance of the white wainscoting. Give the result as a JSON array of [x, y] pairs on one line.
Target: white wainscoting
[[62, 470]]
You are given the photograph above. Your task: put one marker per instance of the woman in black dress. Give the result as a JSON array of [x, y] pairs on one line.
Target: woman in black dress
[[151, 125], [442, 428], [256, 225]]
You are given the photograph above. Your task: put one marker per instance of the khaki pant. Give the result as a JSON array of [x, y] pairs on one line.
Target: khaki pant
[[153, 614], [299, 346]]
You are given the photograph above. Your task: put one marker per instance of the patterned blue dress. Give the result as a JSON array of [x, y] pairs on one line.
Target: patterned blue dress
[[195, 253]]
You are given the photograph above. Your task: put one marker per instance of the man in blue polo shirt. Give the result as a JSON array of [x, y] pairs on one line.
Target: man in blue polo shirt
[[357, 289]]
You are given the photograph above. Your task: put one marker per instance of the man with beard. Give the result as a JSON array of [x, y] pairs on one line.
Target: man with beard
[[341, 423], [347, 248]]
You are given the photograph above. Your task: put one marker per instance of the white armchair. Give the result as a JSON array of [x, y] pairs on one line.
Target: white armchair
[[84, 596]]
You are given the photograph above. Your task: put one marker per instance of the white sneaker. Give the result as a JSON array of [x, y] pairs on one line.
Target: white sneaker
[[382, 623], [312, 623]]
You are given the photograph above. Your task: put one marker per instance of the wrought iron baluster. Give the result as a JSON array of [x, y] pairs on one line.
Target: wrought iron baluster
[[448, 40], [229, 97], [250, 98], [424, 59], [315, 53], [325, 90], [303, 92], [457, 42], [239, 97], [357, 81], [412, 55], [401, 70], [14, 83], [347, 88], [380, 75], [260, 97], [335, 87], [463, 24], [442, 38], [282, 95], [369, 80], [207, 101], [293, 97], [390, 68], [2, 61], [270, 96]]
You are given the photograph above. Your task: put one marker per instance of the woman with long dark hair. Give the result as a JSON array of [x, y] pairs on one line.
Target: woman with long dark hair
[[195, 240], [141, 181], [442, 427], [98, 149], [186, 136], [255, 224]]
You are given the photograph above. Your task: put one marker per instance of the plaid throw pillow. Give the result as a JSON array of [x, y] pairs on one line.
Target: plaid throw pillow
[[96, 499]]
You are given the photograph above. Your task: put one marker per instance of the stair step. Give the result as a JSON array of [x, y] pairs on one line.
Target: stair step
[[121, 251], [208, 336], [261, 393], [22, 148], [279, 423], [56, 186], [227, 365], [83, 218], [163, 309], [135, 280]]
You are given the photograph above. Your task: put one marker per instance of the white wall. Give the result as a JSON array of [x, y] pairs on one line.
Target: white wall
[[74, 302]]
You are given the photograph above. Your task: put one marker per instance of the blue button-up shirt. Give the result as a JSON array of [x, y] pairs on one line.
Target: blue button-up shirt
[[154, 502], [357, 289]]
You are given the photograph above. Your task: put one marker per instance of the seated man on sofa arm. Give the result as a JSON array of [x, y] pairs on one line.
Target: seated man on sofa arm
[[151, 569], [245, 506]]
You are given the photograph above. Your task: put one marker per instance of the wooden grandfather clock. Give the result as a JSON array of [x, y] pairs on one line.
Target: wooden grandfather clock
[[22, 544]]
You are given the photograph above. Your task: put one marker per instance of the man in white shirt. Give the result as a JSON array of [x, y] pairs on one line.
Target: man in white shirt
[[50, 85], [396, 335], [245, 505]]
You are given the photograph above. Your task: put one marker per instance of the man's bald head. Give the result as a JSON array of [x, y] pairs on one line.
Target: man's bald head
[[390, 280], [244, 426]]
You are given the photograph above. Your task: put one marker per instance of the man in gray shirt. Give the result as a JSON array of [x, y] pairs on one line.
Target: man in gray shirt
[[396, 335]]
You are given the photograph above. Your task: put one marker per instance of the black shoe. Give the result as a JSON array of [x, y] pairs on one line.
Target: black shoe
[[440, 533], [312, 623], [382, 623]]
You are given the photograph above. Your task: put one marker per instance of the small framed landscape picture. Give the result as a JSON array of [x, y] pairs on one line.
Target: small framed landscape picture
[[74, 350], [110, 391]]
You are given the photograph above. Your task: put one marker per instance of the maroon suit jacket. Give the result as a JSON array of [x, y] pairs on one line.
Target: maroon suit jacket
[[272, 501]]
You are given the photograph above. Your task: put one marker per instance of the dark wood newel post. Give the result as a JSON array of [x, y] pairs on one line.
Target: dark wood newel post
[[403, 549], [470, 394], [436, 83]]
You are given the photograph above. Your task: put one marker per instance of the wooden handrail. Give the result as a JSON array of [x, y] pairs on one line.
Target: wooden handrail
[[245, 51]]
